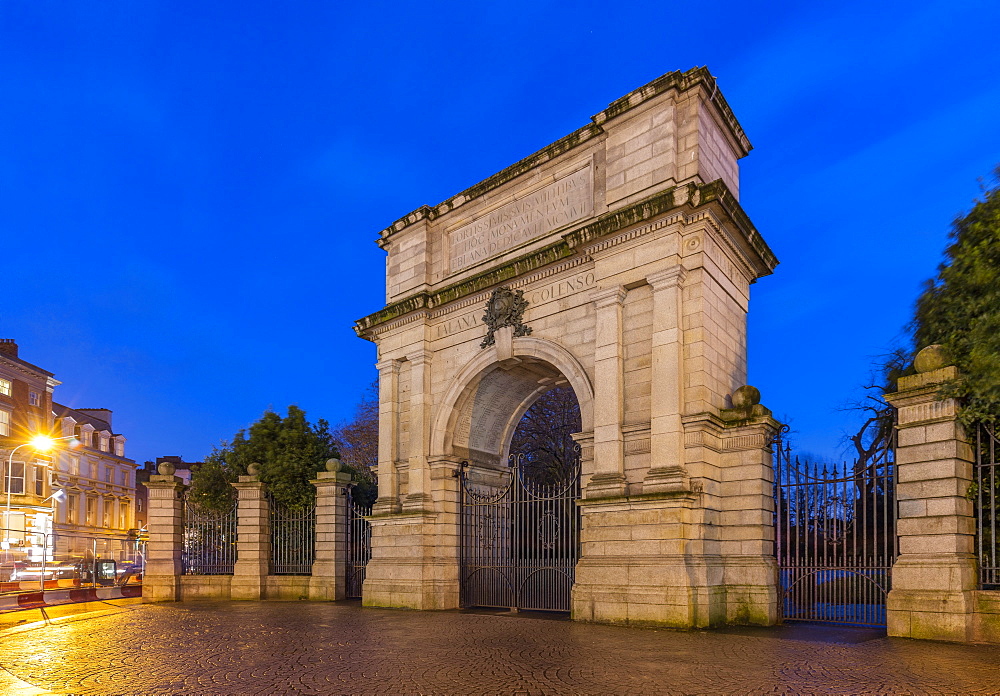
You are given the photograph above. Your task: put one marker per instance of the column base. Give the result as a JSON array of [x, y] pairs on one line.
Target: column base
[[933, 597], [328, 582], [675, 592], [414, 563], [161, 588]]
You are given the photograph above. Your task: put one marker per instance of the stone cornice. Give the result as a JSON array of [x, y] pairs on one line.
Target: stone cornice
[[681, 82], [572, 243]]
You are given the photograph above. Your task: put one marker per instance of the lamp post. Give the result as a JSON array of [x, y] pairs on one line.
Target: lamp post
[[41, 443]]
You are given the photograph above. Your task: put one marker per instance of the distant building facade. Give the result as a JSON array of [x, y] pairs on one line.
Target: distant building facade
[[182, 469], [25, 411], [96, 476], [85, 487]]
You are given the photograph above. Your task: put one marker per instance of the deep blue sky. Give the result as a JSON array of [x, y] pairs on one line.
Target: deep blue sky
[[189, 192]]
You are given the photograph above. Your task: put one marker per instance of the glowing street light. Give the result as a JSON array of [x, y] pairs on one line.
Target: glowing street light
[[40, 443]]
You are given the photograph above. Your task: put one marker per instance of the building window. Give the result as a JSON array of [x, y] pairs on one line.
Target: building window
[[14, 479], [40, 481], [33, 398], [119, 448], [4, 387], [122, 515], [74, 466], [72, 508], [106, 517], [108, 474], [91, 510], [123, 478], [93, 471], [4, 422], [104, 444]]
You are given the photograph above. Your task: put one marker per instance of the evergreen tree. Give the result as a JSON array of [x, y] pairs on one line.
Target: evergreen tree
[[960, 309], [289, 451]]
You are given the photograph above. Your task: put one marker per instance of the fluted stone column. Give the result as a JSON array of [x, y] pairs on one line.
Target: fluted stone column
[[608, 478], [667, 472], [329, 569], [253, 540], [418, 480], [162, 579], [935, 575], [388, 440]]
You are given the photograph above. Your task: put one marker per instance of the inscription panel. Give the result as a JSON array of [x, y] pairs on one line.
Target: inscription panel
[[562, 202]]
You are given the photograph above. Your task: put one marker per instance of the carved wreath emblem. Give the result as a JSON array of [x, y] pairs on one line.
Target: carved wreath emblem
[[505, 308]]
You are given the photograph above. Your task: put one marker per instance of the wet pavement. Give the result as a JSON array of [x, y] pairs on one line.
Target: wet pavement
[[126, 647]]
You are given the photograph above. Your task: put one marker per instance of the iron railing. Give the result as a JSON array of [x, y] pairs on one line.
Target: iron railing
[[835, 537], [293, 538], [359, 545], [209, 541], [986, 498]]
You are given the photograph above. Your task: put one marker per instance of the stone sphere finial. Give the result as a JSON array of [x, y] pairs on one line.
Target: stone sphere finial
[[930, 358], [746, 397], [253, 469], [166, 468], [334, 465]]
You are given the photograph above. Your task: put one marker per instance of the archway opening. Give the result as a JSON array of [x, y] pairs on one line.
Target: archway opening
[[543, 438], [520, 521]]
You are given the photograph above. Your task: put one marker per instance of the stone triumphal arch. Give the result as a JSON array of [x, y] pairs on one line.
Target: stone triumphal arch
[[616, 261]]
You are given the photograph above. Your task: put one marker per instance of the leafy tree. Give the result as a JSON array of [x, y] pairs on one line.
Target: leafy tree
[[960, 309], [543, 437], [289, 451], [357, 439]]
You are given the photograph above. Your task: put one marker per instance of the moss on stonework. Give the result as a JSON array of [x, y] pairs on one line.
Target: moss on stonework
[[699, 196]]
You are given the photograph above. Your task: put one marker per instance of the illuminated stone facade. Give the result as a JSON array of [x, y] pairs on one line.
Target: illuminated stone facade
[[627, 240]]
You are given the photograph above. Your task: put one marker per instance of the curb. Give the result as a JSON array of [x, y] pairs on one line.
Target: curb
[[49, 598]]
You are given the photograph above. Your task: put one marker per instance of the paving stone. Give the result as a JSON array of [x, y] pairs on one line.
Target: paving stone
[[319, 648]]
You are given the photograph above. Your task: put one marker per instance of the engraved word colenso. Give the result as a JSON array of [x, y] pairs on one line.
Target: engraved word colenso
[[563, 201], [553, 291]]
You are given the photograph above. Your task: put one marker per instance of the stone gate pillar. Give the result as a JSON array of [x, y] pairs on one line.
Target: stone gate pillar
[[253, 540], [329, 569], [746, 518], [935, 575], [162, 578]]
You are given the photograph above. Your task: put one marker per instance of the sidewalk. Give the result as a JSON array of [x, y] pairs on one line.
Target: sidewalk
[[325, 648], [52, 597]]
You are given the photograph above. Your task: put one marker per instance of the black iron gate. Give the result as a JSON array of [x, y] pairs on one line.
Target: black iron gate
[[835, 538], [986, 503], [359, 545], [520, 536]]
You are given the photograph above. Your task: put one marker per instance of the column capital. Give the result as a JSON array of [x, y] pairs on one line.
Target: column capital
[[917, 401], [420, 359], [608, 297], [165, 482], [388, 365], [667, 278]]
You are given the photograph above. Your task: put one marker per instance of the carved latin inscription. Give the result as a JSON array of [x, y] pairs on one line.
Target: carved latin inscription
[[564, 201]]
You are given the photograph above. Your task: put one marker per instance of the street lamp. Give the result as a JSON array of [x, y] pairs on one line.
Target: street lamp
[[41, 443]]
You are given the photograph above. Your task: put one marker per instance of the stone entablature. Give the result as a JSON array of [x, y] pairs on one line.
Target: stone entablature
[[674, 131]]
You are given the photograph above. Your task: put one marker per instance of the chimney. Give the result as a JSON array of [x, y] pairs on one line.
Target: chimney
[[8, 347]]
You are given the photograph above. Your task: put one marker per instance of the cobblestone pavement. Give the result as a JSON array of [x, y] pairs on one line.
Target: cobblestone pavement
[[315, 648]]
